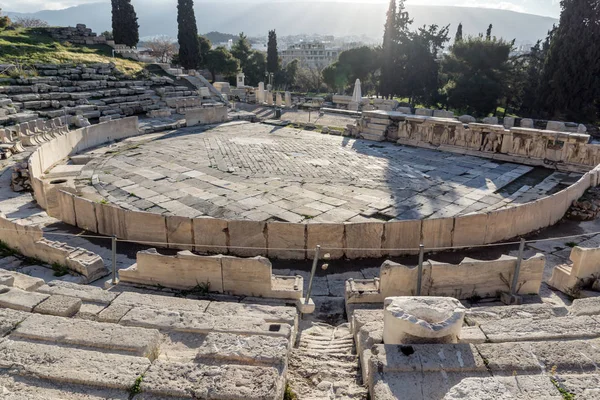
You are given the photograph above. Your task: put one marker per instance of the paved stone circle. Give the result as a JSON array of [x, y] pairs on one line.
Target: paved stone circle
[[264, 172]]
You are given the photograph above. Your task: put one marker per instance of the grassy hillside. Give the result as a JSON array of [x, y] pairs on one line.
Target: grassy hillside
[[30, 46]]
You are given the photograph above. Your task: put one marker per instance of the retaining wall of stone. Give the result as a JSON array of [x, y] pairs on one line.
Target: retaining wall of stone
[[280, 239], [221, 274], [469, 279]]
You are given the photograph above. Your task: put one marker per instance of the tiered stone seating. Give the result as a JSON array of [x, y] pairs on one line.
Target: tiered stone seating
[[139, 345]]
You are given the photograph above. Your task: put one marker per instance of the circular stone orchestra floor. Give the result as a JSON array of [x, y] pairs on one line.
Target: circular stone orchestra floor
[[262, 172]]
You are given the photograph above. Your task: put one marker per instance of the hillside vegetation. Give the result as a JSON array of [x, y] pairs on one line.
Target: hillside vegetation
[[30, 46]]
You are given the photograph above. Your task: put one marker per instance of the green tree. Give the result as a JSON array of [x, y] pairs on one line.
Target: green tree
[[488, 33], [571, 77], [255, 68], [4, 21], [388, 48], [205, 47], [459, 33], [124, 23], [221, 61], [187, 36], [272, 56], [533, 65], [359, 63], [477, 71], [242, 50]]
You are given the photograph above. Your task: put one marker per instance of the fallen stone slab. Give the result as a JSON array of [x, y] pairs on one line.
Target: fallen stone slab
[[587, 306], [61, 364], [225, 382], [94, 335], [62, 306], [163, 302], [22, 281], [18, 299], [189, 321], [85, 293], [252, 350], [275, 314], [479, 315], [529, 329], [9, 319]]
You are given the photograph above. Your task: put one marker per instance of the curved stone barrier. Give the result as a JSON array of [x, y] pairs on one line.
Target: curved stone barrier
[[281, 239]]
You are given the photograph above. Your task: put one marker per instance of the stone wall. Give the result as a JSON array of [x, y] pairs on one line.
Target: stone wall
[[205, 116], [256, 238], [80, 34], [470, 278], [221, 274], [583, 272]]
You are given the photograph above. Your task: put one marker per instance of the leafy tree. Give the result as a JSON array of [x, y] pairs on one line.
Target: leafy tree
[[272, 56], [189, 46], [571, 76], [108, 35], [389, 44], [359, 63], [205, 47], [477, 71], [162, 47], [488, 33], [124, 23], [310, 79], [4, 20], [242, 51], [255, 68], [221, 61], [533, 69], [459, 33], [287, 76]]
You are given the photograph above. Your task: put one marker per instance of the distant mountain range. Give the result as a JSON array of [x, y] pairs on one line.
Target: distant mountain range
[[299, 17]]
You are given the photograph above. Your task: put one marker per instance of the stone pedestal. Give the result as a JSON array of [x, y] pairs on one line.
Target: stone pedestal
[[269, 98], [278, 100], [288, 99], [414, 320], [260, 93]]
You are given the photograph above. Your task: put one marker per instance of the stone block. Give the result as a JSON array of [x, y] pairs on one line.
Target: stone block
[[397, 280], [9, 319], [62, 306], [85, 214], [437, 233], [165, 302], [502, 224], [469, 230], [17, 299], [268, 313], [281, 236], [365, 237], [204, 116], [467, 119], [210, 235], [22, 281], [114, 313], [180, 233], [587, 306], [6, 279], [111, 220], [479, 315], [247, 238], [71, 365], [329, 236], [90, 334], [526, 123], [252, 350], [472, 334], [511, 299], [66, 205], [83, 292], [247, 277], [401, 235], [143, 227]]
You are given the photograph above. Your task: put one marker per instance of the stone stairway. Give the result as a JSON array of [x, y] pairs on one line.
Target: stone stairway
[[63, 340], [324, 364]]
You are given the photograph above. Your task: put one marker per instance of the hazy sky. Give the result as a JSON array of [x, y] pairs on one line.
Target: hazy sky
[[549, 8]]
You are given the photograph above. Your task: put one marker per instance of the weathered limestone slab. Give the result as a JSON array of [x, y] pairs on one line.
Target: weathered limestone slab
[[71, 365], [437, 233], [84, 292], [114, 313], [480, 315], [586, 387], [66, 205], [189, 321], [145, 227], [283, 235], [6, 279], [367, 235], [471, 334], [22, 281], [18, 299], [502, 224], [204, 116], [401, 235], [272, 314], [253, 350], [469, 229], [85, 214], [56, 304], [247, 238], [134, 299], [587, 306], [94, 335], [213, 382], [329, 236], [397, 280], [246, 277], [111, 220], [90, 311], [422, 320], [528, 329], [180, 233], [9, 319], [210, 235]]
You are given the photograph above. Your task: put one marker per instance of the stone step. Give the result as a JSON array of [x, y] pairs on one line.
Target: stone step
[[227, 382], [85, 293], [18, 299], [90, 334], [164, 302], [529, 329], [479, 315], [63, 364], [587, 306], [275, 314], [9, 319], [190, 321]]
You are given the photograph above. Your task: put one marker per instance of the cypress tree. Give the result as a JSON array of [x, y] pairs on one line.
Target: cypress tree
[[272, 57], [488, 33], [124, 23], [459, 34], [389, 40], [187, 35], [572, 69]]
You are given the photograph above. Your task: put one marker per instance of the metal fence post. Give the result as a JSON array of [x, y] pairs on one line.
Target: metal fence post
[[114, 260], [420, 269], [312, 274], [515, 282]]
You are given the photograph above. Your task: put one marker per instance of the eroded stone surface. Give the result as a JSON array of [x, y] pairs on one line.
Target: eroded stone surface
[[9, 320], [85, 293], [62, 306], [257, 349], [529, 329], [18, 299]]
